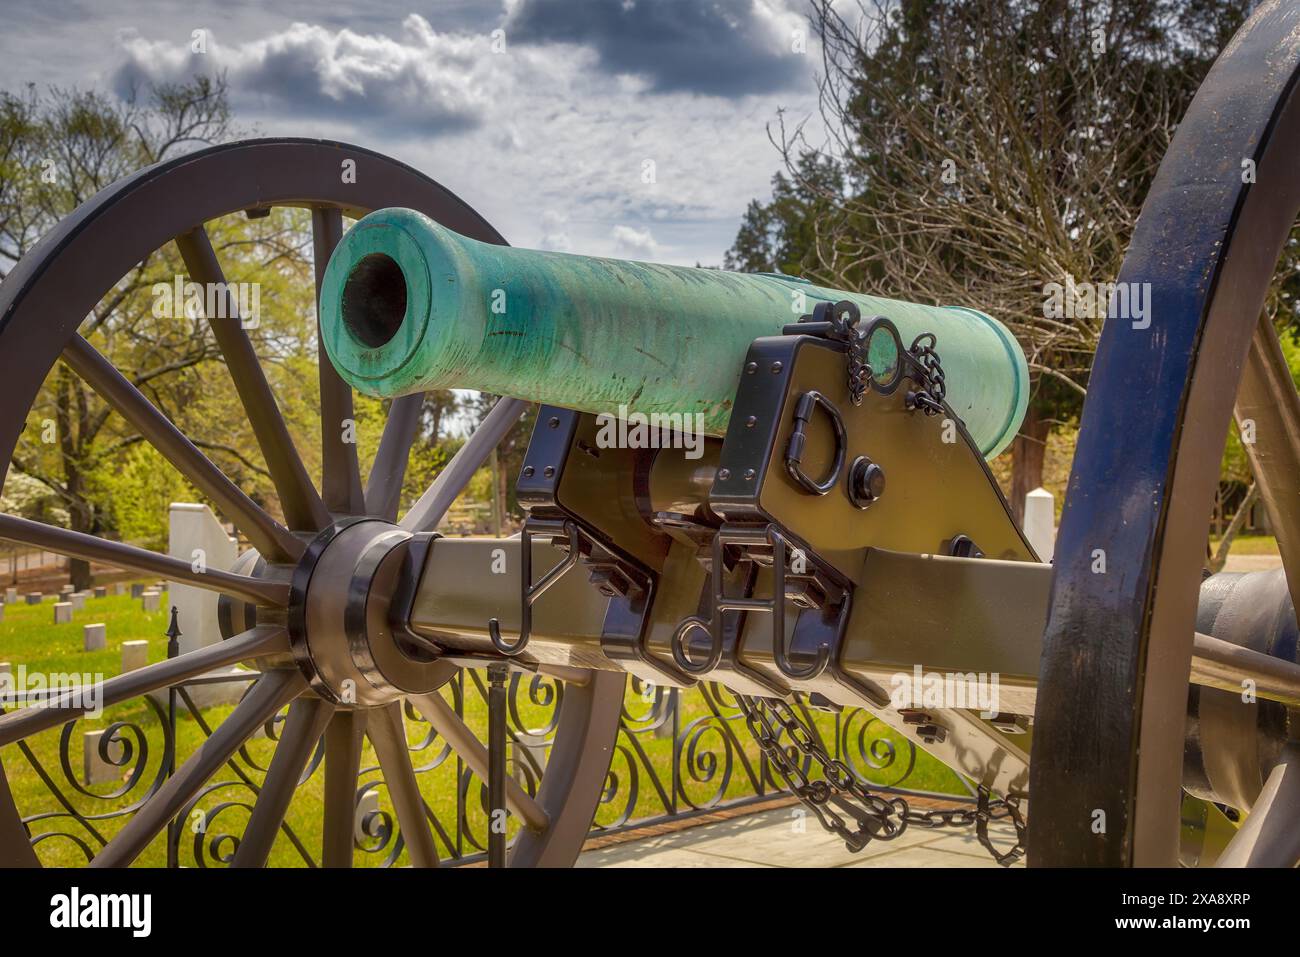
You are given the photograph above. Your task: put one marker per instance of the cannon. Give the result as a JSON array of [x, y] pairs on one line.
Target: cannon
[[815, 524]]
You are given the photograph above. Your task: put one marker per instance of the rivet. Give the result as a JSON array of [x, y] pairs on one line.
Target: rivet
[[548, 471], [749, 475], [751, 368], [554, 422], [528, 470], [777, 367], [749, 423], [724, 474]]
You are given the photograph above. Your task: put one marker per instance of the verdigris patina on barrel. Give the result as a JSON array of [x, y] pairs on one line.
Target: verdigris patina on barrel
[[408, 305]]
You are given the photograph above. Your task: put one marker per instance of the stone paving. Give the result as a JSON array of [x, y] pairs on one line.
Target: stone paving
[[1252, 563], [770, 839]]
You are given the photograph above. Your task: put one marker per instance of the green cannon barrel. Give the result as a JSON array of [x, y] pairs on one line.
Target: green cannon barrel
[[408, 305]]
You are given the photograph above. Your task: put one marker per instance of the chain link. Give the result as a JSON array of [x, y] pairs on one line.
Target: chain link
[[877, 817], [844, 320], [930, 394]]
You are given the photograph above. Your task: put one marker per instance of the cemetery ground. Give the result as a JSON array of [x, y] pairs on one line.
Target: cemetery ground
[[28, 636]]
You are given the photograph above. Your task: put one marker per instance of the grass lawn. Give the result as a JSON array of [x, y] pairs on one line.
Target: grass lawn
[[1250, 545], [29, 637]]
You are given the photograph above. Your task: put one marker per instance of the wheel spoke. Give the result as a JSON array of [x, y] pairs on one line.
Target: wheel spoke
[[262, 640], [465, 742], [271, 693], [120, 555], [303, 508], [384, 489], [388, 735], [343, 745], [1223, 665], [1267, 397], [267, 535], [425, 514], [302, 730], [340, 473], [1269, 837]]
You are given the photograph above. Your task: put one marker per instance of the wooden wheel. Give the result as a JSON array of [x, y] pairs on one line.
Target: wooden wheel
[[285, 591], [1107, 767]]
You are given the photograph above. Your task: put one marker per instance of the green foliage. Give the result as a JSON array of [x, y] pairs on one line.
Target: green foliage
[[138, 492]]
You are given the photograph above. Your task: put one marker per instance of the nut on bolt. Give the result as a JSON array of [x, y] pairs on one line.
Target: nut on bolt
[[866, 482]]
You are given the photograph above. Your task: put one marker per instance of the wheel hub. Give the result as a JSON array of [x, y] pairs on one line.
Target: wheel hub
[[340, 633]]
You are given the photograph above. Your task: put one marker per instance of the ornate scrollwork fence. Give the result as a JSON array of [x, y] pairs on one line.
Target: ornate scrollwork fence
[[678, 753]]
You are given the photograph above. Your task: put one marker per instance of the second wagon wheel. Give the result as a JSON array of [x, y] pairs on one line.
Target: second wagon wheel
[[1113, 717], [42, 303]]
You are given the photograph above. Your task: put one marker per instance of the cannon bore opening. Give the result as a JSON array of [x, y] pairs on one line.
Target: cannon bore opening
[[374, 299]]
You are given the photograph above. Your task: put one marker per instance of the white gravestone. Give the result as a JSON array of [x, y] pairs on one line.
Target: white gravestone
[[67, 589], [62, 612], [95, 769], [78, 600], [149, 599], [366, 816], [11, 596], [197, 538], [1040, 522], [95, 637], [135, 654], [119, 589]]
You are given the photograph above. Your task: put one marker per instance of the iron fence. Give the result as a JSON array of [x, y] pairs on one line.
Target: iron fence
[[678, 753]]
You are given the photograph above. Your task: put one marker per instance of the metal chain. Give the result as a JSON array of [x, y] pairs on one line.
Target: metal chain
[[930, 394], [844, 320], [877, 818]]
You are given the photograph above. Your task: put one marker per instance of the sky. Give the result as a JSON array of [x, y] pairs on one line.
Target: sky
[[630, 128]]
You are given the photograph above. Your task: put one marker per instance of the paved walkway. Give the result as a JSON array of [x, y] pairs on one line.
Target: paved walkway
[[1252, 563], [772, 839]]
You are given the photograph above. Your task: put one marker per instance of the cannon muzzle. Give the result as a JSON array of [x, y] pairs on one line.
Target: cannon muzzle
[[408, 305]]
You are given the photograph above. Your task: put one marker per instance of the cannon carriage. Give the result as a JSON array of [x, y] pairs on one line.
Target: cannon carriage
[[834, 532]]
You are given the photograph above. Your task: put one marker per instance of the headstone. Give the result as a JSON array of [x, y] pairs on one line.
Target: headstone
[[196, 537], [78, 600], [366, 809], [95, 637], [62, 612], [135, 654], [137, 589], [149, 600], [119, 588], [95, 769], [101, 591], [2, 612], [11, 596], [67, 589], [1040, 522], [34, 597]]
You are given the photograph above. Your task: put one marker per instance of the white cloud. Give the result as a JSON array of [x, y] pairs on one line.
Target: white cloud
[[419, 82], [540, 139], [638, 243]]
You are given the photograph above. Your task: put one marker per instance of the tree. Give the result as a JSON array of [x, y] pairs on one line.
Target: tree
[[58, 149], [986, 149]]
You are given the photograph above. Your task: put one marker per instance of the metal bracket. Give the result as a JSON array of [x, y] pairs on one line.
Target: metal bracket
[[529, 592]]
